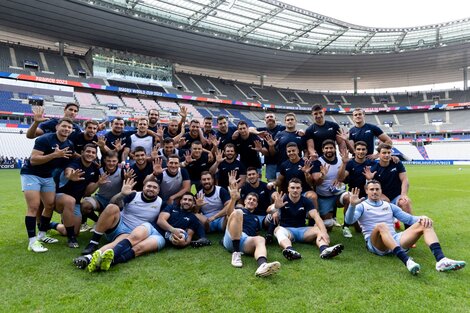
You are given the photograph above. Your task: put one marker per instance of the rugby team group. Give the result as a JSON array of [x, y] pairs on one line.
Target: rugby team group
[[138, 193]]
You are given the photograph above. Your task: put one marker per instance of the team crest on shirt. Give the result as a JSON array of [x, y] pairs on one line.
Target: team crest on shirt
[[301, 208]]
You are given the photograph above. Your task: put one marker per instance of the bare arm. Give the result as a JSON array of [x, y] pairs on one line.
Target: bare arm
[[38, 157]]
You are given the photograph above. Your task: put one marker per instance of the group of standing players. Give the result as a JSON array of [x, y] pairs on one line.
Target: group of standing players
[[139, 192]]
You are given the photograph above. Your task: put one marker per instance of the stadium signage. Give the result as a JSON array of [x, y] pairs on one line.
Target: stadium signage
[[430, 162], [7, 166], [230, 102]]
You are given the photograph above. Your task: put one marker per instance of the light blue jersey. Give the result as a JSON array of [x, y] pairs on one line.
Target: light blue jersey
[[369, 213]]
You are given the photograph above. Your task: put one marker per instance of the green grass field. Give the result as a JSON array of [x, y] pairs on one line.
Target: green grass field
[[202, 280]]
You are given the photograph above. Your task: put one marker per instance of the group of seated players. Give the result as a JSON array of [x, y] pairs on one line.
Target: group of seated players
[[139, 192]]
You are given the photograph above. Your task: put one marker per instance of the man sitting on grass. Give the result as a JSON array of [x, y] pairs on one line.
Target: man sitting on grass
[[180, 224], [376, 219], [292, 210], [138, 208], [241, 233]]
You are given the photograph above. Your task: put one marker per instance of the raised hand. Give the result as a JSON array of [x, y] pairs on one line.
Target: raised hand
[[154, 153], [354, 197], [103, 179], [324, 169], [157, 166], [200, 200], [38, 113], [343, 133], [76, 175], [183, 111], [258, 146], [160, 131], [129, 173], [234, 191], [182, 142], [368, 174], [307, 167], [127, 186], [270, 140], [232, 177], [214, 141], [187, 157], [219, 156], [62, 153], [118, 144], [101, 141], [344, 155], [278, 200], [102, 125]]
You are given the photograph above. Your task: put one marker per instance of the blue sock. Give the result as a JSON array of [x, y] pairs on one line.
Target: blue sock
[[323, 247], [122, 247], [401, 254], [44, 223], [53, 225], [236, 245], [437, 251], [127, 255], [30, 222]]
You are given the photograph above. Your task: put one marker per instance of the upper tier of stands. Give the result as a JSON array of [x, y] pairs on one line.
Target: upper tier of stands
[[51, 64]]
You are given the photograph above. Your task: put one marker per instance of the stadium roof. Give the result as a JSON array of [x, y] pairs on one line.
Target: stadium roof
[[244, 39]]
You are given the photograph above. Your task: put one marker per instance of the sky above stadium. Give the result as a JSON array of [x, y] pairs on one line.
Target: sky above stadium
[[396, 13]]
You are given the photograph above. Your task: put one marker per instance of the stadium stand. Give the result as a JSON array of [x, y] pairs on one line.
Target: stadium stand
[[312, 98], [187, 84], [448, 150], [248, 91], [149, 104], [14, 144], [227, 88], [134, 103], [206, 87], [86, 99], [109, 99], [271, 95], [22, 54], [409, 151], [5, 59]]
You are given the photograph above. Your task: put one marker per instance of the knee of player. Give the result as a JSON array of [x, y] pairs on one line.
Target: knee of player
[[111, 209], [86, 207], [237, 214], [259, 240], [312, 195], [382, 227]]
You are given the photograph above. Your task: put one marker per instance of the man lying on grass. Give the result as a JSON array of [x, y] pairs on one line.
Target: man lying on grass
[[376, 219]]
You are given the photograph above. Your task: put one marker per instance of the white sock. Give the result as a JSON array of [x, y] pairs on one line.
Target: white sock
[[32, 240], [41, 234]]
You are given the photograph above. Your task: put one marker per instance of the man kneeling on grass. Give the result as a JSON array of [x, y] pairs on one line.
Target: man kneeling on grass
[[376, 219], [241, 233]]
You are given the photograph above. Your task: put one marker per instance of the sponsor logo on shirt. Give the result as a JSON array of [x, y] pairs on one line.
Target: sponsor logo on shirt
[[186, 218]]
